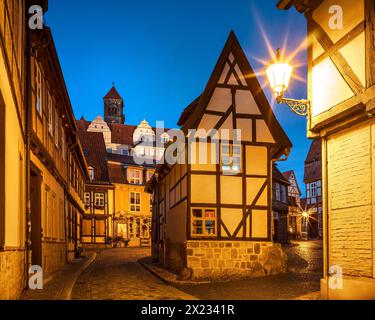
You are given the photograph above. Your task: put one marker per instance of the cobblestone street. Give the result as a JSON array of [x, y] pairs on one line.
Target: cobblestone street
[[291, 285], [116, 275]]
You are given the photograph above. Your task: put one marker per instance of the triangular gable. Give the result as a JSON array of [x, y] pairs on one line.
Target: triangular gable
[[233, 72]]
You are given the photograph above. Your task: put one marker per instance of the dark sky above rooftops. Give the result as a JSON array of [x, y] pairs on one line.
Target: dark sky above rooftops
[[160, 55]]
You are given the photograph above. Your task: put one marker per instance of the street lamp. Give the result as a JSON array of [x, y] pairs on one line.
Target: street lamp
[[305, 214], [279, 74]]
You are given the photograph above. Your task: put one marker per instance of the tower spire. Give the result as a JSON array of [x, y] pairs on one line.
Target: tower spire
[[113, 106]]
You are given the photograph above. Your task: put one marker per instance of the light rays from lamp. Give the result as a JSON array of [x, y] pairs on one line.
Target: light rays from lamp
[[285, 55]]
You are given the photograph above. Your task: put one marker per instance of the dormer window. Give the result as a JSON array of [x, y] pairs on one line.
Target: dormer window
[[92, 173], [135, 176], [164, 138]]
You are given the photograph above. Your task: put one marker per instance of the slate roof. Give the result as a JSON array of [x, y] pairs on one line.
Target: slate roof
[[313, 162], [278, 176]]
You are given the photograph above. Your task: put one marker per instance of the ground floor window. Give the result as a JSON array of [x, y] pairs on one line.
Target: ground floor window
[[203, 222]]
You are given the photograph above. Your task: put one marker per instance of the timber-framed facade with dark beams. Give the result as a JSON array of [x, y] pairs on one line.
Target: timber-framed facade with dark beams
[[97, 221], [214, 216], [341, 88]]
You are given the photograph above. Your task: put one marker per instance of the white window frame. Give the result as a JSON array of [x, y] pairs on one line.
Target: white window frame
[[87, 199], [134, 206], [203, 219], [231, 158], [99, 199], [133, 178]]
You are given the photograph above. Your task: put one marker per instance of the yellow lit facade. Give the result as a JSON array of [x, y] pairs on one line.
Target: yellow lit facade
[[341, 88], [133, 207], [12, 149]]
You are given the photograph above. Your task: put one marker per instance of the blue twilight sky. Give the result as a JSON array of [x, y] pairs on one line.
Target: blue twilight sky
[[161, 53]]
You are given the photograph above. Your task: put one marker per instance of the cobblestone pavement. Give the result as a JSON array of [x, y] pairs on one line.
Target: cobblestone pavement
[[281, 287], [59, 285], [116, 275]]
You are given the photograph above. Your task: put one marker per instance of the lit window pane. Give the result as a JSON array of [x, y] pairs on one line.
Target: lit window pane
[[197, 213]]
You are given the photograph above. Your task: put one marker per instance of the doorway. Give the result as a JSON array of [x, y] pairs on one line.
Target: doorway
[[36, 217]]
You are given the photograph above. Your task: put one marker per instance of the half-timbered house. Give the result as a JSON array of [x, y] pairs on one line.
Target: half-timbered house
[[294, 205], [341, 88], [214, 217], [58, 170], [97, 221], [280, 206]]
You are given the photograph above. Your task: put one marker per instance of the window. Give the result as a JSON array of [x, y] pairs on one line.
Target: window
[[203, 222], [38, 89], [99, 199], [50, 116], [135, 201], [313, 190], [135, 176], [149, 175], [230, 158], [63, 145], [87, 199], [278, 192], [92, 173], [283, 194], [164, 138], [57, 119], [109, 150], [125, 152], [138, 228]]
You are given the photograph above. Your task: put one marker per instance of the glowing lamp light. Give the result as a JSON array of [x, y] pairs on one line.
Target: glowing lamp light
[[279, 75], [305, 214]]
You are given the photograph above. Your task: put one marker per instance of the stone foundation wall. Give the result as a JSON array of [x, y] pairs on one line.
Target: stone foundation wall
[[12, 274], [175, 256], [234, 259], [53, 255]]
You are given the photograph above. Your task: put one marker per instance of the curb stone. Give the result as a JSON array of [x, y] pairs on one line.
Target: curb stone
[[77, 274], [153, 270], [167, 276]]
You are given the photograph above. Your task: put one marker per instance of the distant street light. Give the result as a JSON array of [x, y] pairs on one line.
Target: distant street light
[[279, 74]]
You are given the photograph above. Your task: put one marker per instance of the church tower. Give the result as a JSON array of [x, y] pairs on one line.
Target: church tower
[[113, 107]]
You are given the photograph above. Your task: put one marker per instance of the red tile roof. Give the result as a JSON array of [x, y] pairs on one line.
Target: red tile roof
[[287, 174], [112, 94], [95, 152], [122, 133]]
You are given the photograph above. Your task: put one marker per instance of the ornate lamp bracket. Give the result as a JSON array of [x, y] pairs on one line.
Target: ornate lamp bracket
[[300, 107]]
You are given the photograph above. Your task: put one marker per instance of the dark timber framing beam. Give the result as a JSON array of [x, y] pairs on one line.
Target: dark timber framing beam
[[338, 60], [370, 50]]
